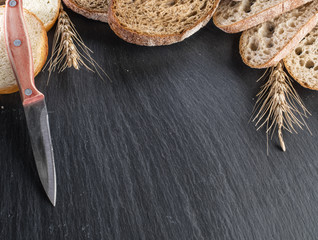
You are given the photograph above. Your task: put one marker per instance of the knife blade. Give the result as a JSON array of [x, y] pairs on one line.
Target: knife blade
[[20, 55]]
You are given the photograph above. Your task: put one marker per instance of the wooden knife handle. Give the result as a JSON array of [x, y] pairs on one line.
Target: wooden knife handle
[[19, 51]]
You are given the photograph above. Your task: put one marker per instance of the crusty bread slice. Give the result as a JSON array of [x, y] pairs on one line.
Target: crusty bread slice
[[302, 62], [93, 9], [46, 10], [266, 44], [153, 23], [39, 44], [237, 16]]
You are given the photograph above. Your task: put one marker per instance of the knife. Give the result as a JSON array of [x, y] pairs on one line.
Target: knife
[[20, 55]]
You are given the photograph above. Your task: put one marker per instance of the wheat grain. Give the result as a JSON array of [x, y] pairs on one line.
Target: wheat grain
[[69, 50], [279, 106]]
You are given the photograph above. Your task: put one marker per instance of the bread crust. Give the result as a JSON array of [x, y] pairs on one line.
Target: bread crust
[[51, 24], [301, 33], [95, 15], [43, 57], [302, 83], [261, 17], [145, 39]]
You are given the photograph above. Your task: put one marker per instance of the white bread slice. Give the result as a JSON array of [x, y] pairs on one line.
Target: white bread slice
[[302, 62], [46, 10], [265, 45], [93, 9], [154, 23], [39, 44], [237, 16]]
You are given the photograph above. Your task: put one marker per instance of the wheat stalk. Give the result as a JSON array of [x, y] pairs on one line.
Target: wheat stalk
[[69, 50], [279, 106]]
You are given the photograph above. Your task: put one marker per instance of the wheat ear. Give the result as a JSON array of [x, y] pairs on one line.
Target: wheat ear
[[69, 50], [279, 106]]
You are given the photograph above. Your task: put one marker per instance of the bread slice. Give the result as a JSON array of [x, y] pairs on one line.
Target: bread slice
[[302, 62], [266, 44], [153, 22], [39, 44], [237, 16], [93, 9], [46, 10]]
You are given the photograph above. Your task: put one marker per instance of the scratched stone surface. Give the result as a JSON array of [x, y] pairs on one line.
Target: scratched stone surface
[[163, 151]]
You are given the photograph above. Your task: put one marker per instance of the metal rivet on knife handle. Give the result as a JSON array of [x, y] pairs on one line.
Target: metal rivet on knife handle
[[17, 43], [28, 91], [13, 3]]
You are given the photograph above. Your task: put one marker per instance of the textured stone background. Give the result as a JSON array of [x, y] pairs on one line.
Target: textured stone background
[[164, 151]]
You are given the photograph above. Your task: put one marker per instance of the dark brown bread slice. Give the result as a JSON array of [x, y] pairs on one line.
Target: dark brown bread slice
[[93, 9], [154, 23], [237, 16]]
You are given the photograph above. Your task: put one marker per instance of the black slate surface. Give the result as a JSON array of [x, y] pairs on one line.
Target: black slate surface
[[164, 151]]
